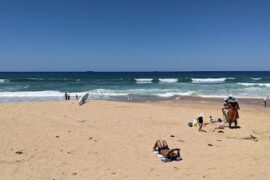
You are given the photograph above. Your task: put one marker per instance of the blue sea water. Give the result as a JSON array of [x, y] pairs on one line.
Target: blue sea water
[[30, 86]]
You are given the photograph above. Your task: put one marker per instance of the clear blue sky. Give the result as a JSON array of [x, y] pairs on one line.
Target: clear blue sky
[[134, 35]]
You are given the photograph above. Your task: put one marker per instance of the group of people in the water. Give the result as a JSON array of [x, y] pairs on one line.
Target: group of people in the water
[[67, 96]]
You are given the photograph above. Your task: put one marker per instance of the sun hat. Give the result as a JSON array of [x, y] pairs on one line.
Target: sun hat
[[230, 96], [232, 100]]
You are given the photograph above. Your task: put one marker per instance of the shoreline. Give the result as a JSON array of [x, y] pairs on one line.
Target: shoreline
[[178, 99]]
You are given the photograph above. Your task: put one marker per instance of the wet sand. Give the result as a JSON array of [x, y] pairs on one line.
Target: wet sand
[[114, 140]]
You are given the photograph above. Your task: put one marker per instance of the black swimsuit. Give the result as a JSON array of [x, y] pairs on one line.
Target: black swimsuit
[[200, 120], [163, 148]]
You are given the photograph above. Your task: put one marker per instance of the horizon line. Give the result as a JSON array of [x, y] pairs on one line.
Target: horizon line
[[131, 71]]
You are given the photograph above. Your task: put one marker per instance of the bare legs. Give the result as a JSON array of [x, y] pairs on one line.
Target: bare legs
[[200, 126], [165, 145], [160, 144], [235, 123]]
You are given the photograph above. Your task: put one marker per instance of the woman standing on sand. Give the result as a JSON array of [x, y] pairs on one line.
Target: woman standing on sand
[[232, 114], [225, 108]]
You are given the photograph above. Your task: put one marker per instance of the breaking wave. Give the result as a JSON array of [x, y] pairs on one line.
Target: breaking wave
[[208, 80], [144, 80], [3, 80], [256, 79], [172, 80], [255, 84]]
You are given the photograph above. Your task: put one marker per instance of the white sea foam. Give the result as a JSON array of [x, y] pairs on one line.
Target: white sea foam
[[3, 80], [22, 94], [171, 80], [213, 96], [171, 94], [144, 80], [251, 91], [34, 78], [238, 96], [208, 80], [97, 93], [106, 93], [255, 84], [256, 79], [168, 94]]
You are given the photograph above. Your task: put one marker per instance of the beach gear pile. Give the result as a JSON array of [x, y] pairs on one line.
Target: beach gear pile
[[217, 122]]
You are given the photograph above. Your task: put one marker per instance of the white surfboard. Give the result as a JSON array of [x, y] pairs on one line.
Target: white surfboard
[[83, 99]]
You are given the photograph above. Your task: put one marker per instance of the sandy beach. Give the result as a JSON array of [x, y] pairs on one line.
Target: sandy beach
[[114, 140]]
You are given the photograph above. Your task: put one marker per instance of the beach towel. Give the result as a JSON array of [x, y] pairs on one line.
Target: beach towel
[[164, 159]]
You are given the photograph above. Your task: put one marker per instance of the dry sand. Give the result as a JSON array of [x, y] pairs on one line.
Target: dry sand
[[114, 140]]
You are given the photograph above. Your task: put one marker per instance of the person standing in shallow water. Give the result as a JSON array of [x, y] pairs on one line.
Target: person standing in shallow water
[[66, 96], [266, 101]]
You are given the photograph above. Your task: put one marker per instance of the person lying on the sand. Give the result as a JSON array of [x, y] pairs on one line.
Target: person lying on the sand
[[163, 149]]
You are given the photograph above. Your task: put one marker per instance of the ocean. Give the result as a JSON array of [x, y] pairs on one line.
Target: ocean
[[44, 86]]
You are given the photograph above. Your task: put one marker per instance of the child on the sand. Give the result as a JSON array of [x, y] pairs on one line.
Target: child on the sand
[[219, 124], [200, 121], [212, 120]]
